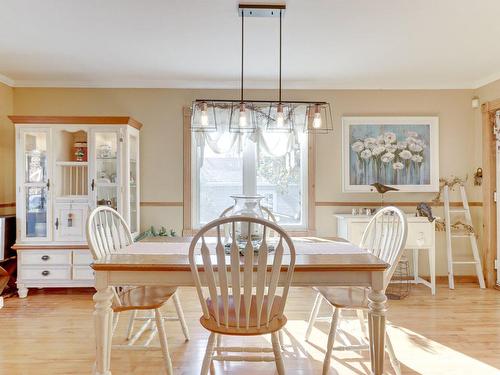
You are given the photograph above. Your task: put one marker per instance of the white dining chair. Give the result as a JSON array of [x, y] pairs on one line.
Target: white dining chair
[[243, 296], [108, 233], [385, 237]]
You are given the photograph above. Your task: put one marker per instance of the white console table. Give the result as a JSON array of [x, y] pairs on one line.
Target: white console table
[[421, 236]]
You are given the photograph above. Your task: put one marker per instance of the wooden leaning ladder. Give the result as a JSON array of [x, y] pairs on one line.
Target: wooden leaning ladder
[[472, 237]]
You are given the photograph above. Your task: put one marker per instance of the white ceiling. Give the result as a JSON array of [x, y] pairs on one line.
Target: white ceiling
[[196, 43]]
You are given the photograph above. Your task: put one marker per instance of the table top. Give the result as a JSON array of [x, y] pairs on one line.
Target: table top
[[160, 254]]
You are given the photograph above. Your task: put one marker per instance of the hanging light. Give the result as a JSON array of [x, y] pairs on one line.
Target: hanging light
[[243, 116], [318, 118], [281, 116]]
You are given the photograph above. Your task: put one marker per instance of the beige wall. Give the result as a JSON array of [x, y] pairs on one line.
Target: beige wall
[[7, 146], [161, 138]]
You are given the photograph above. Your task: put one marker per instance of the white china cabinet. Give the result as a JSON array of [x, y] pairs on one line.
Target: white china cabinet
[[65, 167]]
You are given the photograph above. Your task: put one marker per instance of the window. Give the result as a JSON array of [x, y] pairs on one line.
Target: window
[[273, 165]]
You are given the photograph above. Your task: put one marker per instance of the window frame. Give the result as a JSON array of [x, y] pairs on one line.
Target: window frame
[[189, 181]]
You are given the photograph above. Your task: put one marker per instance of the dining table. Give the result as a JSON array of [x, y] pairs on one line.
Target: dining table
[[163, 261]]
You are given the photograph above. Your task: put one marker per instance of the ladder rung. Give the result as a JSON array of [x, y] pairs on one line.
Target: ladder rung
[[458, 210], [462, 235], [464, 262]]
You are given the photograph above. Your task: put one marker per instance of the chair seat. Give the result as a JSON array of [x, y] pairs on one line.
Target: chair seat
[[143, 298], [345, 297], [275, 322]]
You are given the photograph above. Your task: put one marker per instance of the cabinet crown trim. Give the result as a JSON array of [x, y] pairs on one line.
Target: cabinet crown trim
[[89, 120]]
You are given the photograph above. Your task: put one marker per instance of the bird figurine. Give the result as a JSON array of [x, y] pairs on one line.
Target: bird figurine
[[382, 189], [423, 209]]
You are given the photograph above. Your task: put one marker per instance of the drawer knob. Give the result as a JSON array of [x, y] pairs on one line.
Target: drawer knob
[[45, 273], [45, 257]]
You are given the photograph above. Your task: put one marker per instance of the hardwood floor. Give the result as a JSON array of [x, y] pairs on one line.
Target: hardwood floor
[[455, 332]]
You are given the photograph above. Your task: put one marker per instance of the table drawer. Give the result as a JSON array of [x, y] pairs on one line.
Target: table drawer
[[82, 257], [83, 273], [420, 235], [42, 257], [46, 273]]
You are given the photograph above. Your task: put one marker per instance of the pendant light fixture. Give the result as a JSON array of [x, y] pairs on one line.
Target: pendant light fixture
[[240, 120], [243, 116]]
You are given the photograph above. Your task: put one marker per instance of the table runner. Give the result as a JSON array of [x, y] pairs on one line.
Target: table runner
[[302, 247]]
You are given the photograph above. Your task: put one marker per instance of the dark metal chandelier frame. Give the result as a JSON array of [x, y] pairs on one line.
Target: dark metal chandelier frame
[[246, 116]]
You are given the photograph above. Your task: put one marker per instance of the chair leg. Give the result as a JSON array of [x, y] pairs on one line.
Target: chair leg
[[180, 314], [280, 367], [130, 328], [163, 341], [392, 356], [207, 360], [314, 314], [331, 341], [116, 316], [362, 322], [282, 339]]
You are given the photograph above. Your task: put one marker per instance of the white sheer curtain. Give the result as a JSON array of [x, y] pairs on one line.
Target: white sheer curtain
[[274, 144]]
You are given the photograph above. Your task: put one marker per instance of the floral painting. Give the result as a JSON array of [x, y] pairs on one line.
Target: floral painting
[[399, 152]]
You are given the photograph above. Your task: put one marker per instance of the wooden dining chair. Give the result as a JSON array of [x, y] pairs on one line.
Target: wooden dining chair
[[243, 295], [108, 233], [385, 237]]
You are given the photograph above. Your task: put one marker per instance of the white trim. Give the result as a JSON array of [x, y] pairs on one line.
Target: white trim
[[233, 84], [433, 121], [7, 80]]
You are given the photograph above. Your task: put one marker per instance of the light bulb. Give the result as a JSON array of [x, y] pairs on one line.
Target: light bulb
[[243, 116], [280, 119], [204, 114], [317, 117]]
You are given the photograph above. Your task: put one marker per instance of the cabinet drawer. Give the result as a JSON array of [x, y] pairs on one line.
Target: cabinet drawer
[[82, 257], [83, 273], [46, 273], [420, 235], [42, 257]]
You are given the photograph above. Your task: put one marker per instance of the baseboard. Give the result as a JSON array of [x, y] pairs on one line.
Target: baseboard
[[444, 279]]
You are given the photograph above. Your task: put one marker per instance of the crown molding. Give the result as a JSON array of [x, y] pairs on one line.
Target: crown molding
[[8, 81]]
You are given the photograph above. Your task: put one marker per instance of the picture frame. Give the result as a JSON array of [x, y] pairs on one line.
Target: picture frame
[[398, 151]]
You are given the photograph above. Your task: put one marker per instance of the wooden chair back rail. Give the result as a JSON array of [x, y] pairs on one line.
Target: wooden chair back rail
[[246, 275], [385, 237]]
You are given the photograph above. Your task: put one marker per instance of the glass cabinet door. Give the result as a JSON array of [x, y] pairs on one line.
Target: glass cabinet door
[[133, 183], [35, 184], [105, 181]]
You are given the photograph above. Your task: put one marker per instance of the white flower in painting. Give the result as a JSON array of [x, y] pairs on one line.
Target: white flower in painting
[[358, 146], [398, 165], [366, 154], [417, 158], [410, 140], [370, 142], [380, 139], [412, 134], [405, 155], [378, 150], [391, 148], [389, 137], [402, 145], [387, 157], [414, 147]]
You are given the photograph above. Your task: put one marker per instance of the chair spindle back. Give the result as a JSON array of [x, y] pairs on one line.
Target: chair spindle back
[[385, 237], [242, 278]]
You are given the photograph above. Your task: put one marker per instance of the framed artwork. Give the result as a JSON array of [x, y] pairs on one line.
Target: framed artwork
[[402, 152]]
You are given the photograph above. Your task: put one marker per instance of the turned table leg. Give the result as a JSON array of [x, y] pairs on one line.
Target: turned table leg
[[376, 327], [103, 323]]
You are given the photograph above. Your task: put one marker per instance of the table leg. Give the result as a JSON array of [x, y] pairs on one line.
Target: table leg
[[432, 268], [103, 324], [376, 327]]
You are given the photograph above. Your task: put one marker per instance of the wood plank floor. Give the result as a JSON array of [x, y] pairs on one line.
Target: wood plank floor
[[455, 332]]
